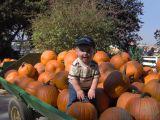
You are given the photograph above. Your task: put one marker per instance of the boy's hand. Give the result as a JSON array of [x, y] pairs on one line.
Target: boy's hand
[[91, 94], [80, 95]]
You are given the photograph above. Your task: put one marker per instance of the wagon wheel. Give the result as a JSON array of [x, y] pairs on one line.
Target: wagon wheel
[[18, 110]]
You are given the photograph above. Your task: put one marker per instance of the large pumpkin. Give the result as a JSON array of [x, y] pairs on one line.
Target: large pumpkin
[[54, 66], [60, 80], [102, 100], [27, 70], [32, 87], [105, 69], [62, 100], [147, 70], [124, 98], [152, 76], [115, 84], [83, 111], [133, 70], [144, 108], [152, 87], [125, 56], [115, 113], [45, 77], [101, 56], [48, 94], [48, 55]]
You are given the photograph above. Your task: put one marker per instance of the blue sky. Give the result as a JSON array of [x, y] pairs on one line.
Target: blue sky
[[151, 19]]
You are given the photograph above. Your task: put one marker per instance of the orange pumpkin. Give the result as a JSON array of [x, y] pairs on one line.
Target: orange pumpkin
[[45, 77], [115, 113], [115, 84], [24, 82], [48, 94], [39, 67], [158, 65], [125, 56], [147, 70], [60, 80], [82, 111], [11, 76], [62, 100], [144, 108], [152, 76], [101, 56], [105, 69], [32, 87], [117, 61], [48, 55], [54, 66], [124, 98], [27, 70], [152, 87], [133, 70], [61, 56]]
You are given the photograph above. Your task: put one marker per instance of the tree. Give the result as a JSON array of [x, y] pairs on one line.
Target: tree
[[157, 36], [109, 22], [15, 21]]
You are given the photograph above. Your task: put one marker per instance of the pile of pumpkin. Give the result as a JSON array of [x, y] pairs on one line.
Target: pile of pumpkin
[[126, 90]]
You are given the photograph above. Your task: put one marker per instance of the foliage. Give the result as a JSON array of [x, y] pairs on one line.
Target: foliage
[[15, 20], [107, 22], [157, 36]]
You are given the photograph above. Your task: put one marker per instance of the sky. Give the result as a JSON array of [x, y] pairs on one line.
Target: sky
[[151, 19]]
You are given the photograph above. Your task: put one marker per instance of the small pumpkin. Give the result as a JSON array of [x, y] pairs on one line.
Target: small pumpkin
[[11, 76], [45, 77], [39, 67], [61, 56]]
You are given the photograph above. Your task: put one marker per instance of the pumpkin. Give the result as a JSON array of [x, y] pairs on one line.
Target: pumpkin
[[124, 98], [133, 70], [101, 56], [27, 70], [61, 56], [11, 76], [152, 76], [48, 94], [48, 55], [100, 85], [115, 84], [39, 67], [24, 82], [117, 61], [82, 111], [152, 87], [63, 99], [144, 108], [32, 87], [45, 77], [115, 113], [102, 100], [105, 69], [125, 56], [69, 58], [54, 66], [60, 80], [147, 70]]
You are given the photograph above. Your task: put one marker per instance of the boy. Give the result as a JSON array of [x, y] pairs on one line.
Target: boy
[[84, 73]]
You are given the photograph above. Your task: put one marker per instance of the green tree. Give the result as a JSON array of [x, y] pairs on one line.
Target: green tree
[[15, 21], [107, 22]]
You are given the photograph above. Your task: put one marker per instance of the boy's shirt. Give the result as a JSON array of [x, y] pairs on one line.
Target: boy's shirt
[[83, 74]]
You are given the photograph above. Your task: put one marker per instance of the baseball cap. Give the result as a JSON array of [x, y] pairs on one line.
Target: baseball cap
[[85, 41]]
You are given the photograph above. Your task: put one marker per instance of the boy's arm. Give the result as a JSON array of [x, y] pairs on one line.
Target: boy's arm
[[76, 85], [94, 84]]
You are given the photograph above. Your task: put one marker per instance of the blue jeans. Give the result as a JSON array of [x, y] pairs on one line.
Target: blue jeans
[[73, 96]]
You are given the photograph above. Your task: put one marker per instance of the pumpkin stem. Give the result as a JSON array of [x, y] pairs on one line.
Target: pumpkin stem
[[47, 83], [131, 78], [145, 94], [23, 64]]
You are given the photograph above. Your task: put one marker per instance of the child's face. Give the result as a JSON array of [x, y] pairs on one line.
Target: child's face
[[85, 53]]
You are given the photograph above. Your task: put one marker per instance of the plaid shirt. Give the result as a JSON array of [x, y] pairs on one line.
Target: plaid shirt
[[83, 73]]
